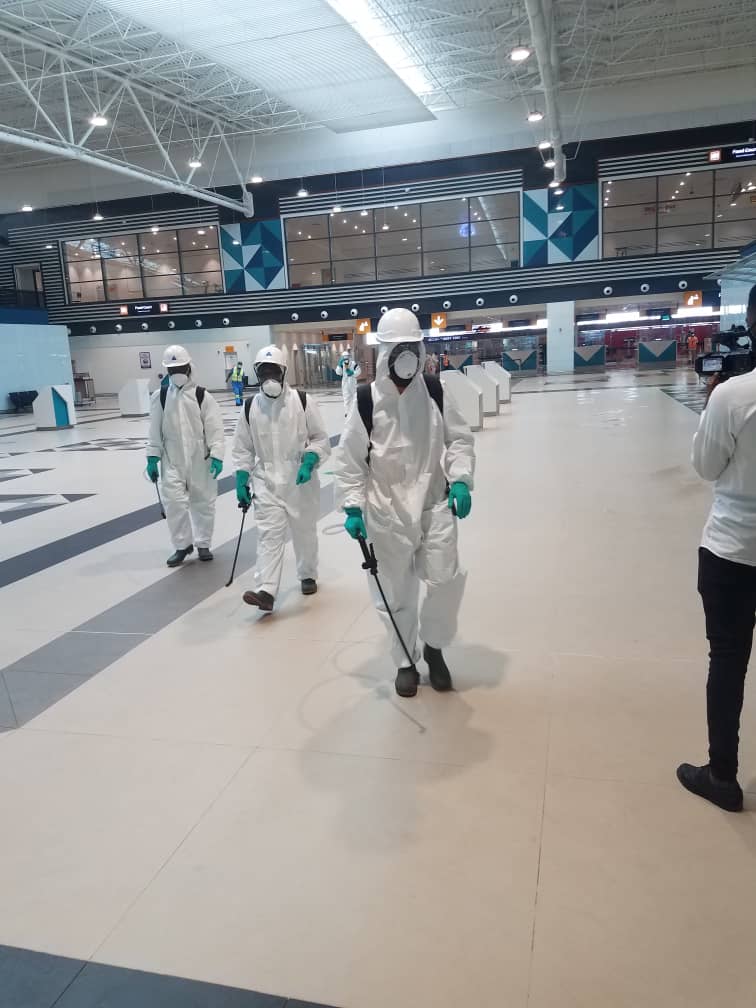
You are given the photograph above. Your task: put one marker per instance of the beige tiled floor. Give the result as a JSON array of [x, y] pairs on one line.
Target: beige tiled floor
[[245, 800]]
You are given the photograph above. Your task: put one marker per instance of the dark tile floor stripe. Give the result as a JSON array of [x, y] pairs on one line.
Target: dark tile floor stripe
[[43, 677], [39, 980], [33, 561]]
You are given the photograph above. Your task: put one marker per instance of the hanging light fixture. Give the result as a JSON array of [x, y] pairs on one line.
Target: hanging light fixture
[[98, 120], [26, 208], [97, 216], [535, 116], [256, 179], [195, 163], [553, 184], [302, 192], [545, 145], [519, 53], [549, 163]]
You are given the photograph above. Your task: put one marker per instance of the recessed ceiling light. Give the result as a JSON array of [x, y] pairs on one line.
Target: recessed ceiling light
[[550, 163], [682, 182], [195, 163], [26, 208], [545, 145], [309, 236], [553, 184], [559, 206], [414, 220], [519, 53], [256, 179], [154, 229], [385, 227], [98, 120], [302, 193], [48, 246], [733, 203], [200, 231], [405, 239], [363, 213], [559, 191], [356, 227], [535, 116], [299, 233], [236, 242], [687, 173], [337, 208]]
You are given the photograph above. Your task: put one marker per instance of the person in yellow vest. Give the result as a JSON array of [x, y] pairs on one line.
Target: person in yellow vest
[[237, 382]]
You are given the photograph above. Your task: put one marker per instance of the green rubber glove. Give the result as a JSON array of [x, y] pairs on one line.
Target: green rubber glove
[[355, 524], [216, 467], [153, 470], [242, 488], [350, 373], [309, 461], [459, 496]]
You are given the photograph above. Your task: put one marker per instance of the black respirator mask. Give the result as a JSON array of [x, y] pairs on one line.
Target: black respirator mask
[[404, 363], [271, 378]]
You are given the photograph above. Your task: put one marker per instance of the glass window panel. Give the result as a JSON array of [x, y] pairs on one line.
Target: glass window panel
[[351, 223], [310, 275], [298, 228], [119, 245], [160, 265], [456, 236], [454, 211], [732, 180], [735, 207], [120, 269], [495, 207], [397, 242], [87, 292], [685, 185], [192, 238], [675, 213], [629, 243], [354, 272], [629, 218], [165, 286], [195, 283], [495, 257], [449, 261], [86, 248], [623, 191], [124, 288], [399, 217], [684, 239], [352, 247], [85, 270], [201, 261], [151, 244], [734, 234], [316, 250], [400, 266], [495, 232]]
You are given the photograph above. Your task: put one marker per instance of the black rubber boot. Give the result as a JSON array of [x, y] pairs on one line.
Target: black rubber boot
[[179, 556], [309, 586], [700, 781], [262, 599], [204, 553], [407, 681], [439, 674]]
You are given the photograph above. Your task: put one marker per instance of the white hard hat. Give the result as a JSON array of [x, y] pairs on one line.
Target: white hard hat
[[176, 356], [399, 325], [270, 355]]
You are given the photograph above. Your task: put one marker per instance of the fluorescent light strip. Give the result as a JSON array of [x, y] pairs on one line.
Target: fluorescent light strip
[[385, 40]]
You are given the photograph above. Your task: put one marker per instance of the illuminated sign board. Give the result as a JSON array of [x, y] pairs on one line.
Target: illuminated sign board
[[733, 155]]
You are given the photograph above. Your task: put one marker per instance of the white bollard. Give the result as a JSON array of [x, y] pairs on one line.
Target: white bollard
[[134, 398], [467, 396], [487, 385], [54, 408], [503, 377]]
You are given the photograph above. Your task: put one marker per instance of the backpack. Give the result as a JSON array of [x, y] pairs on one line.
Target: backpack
[[200, 392], [365, 400], [248, 404]]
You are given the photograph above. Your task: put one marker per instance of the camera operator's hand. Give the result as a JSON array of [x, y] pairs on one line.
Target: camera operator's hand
[[713, 382]]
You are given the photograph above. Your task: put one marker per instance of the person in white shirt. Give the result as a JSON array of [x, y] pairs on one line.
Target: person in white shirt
[[724, 453]]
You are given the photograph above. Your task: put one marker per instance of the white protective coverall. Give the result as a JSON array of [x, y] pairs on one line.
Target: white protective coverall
[[402, 491], [348, 381], [270, 447], [184, 437]]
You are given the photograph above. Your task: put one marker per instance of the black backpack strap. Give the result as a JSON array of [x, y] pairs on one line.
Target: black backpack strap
[[248, 407], [200, 396], [163, 395], [365, 406], [302, 398], [435, 391]]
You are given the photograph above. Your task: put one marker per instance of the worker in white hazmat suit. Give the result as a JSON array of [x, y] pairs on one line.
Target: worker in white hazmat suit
[[349, 371], [186, 440], [405, 468], [280, 440]]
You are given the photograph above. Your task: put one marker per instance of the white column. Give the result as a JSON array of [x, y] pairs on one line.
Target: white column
[[560, 337]]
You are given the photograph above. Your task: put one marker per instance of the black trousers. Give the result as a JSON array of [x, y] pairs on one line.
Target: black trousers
[[728, 591]]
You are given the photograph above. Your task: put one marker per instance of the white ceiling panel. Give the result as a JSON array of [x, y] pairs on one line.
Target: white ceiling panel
[[301, 51]]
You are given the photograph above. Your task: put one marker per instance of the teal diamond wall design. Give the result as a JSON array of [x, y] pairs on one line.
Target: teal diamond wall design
[[569, 234], [252, 254]]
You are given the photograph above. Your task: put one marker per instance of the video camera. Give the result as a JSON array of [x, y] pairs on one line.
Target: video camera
[[726, 363]]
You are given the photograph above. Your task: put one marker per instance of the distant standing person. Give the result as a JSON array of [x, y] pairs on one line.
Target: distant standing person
[[237, 382], [349, 371], [692, 348]]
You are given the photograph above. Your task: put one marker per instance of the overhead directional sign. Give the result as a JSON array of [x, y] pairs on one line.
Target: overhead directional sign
[[438, 320], [693, 299], [363, 326]]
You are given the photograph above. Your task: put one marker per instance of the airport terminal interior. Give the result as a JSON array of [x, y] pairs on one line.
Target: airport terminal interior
[[204, 804]]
